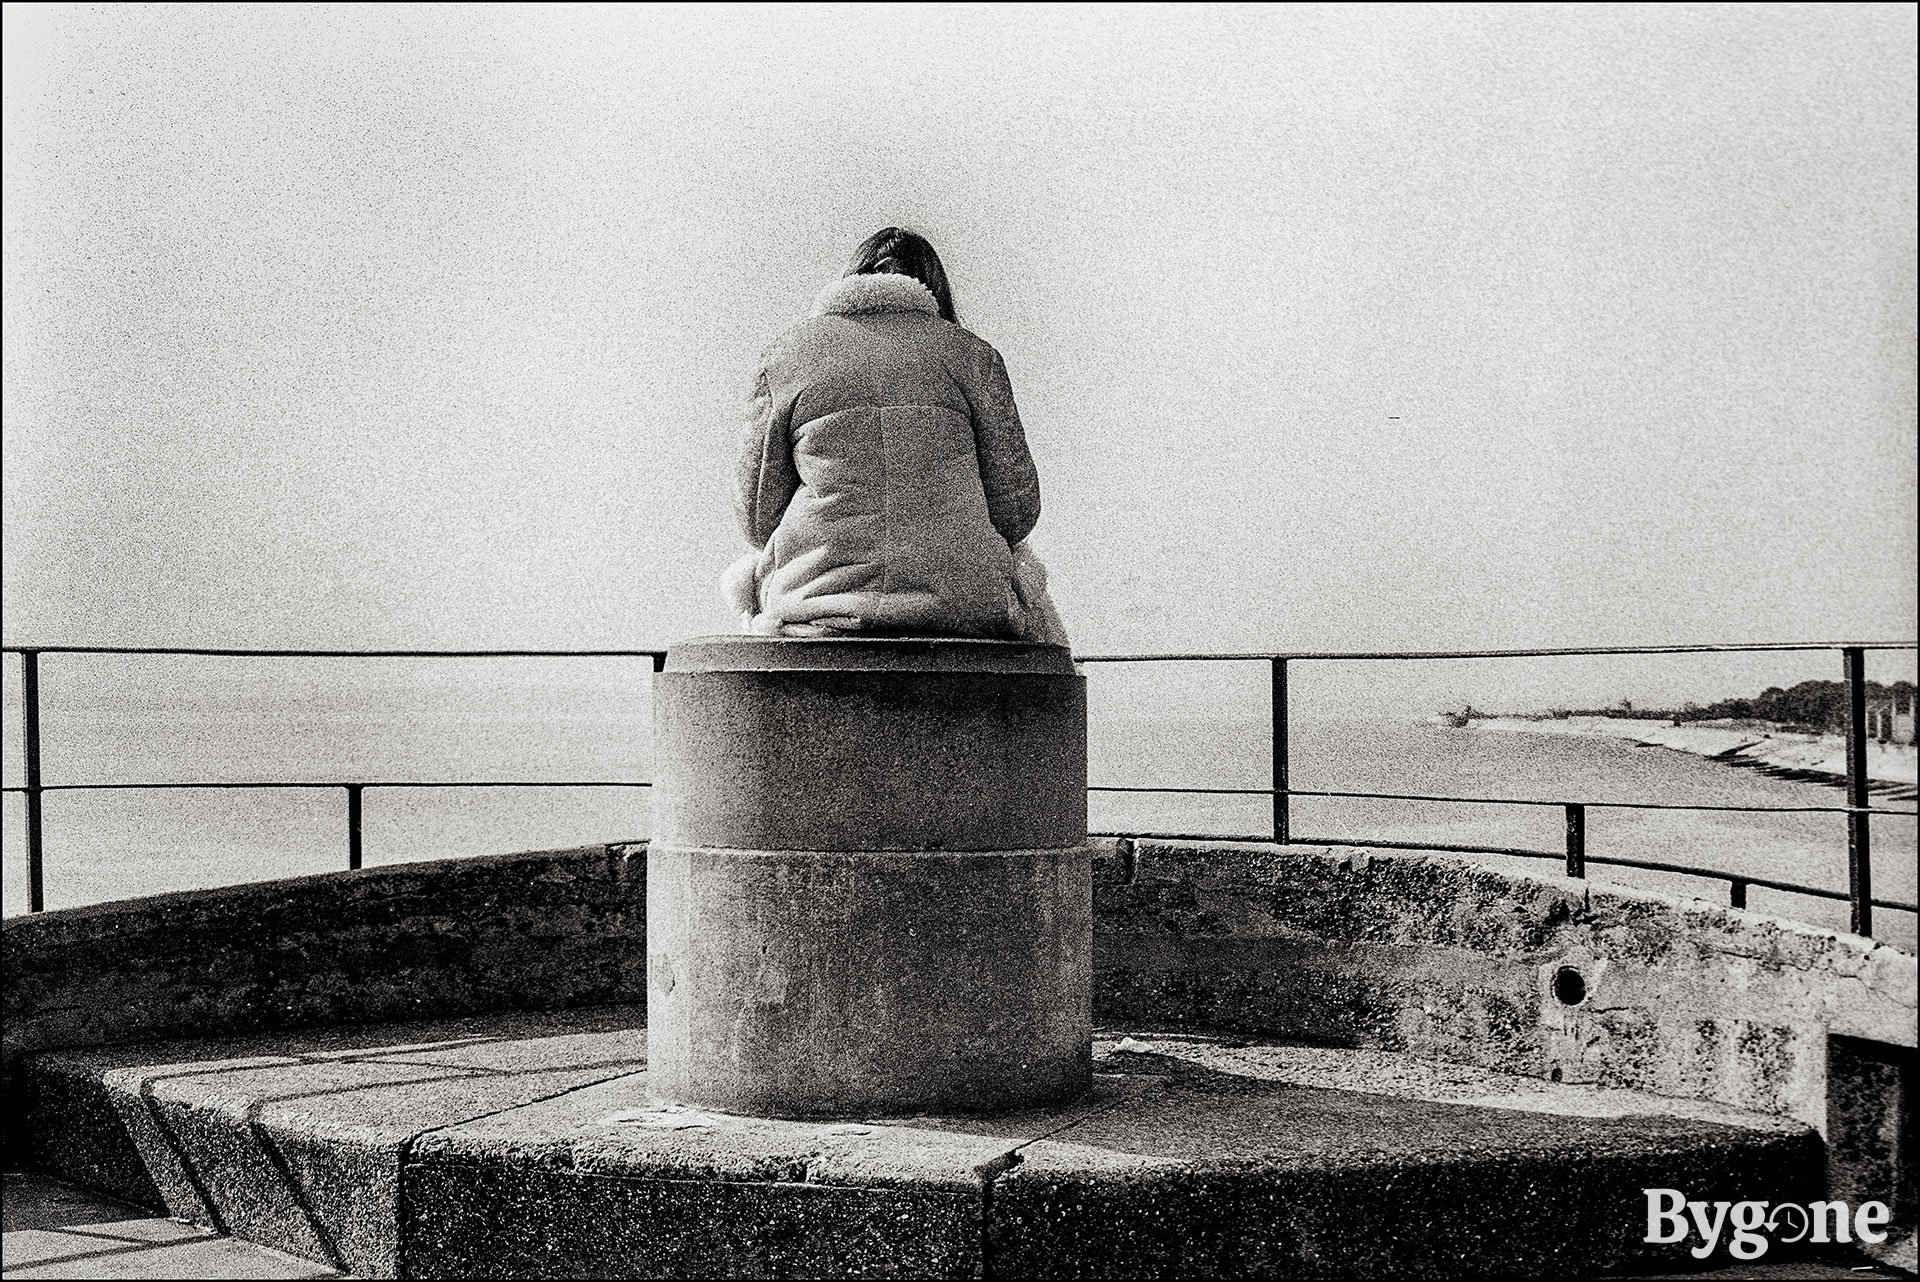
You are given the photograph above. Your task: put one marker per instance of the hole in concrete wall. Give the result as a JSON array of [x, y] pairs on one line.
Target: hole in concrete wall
[[1569, 986]]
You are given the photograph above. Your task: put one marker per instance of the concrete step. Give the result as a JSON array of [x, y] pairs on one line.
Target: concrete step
[[297, 1141], [54, 1230], [527, 1145]]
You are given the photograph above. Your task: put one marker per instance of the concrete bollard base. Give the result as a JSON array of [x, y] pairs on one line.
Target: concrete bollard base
[[775, 744], [869, 891], [817, 984]]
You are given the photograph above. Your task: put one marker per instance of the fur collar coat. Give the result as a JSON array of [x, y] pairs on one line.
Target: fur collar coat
[[883, 471]]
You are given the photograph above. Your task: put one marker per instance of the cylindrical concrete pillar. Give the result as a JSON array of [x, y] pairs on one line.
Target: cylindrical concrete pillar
[[868, 889]]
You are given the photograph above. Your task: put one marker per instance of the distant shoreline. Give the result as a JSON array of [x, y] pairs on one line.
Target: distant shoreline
[[1811, 758]]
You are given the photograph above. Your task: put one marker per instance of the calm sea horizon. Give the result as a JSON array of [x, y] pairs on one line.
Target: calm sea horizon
[[452, 720]]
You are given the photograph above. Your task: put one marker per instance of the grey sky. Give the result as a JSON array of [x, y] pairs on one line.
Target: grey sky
[[1333, 327]]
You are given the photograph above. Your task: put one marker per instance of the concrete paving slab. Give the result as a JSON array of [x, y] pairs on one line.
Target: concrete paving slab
[[501, 1221], [1401, 1076], [294, 1140], [617, 1128], [1245, 1164], [607, 1182], [530, 1146], [1193, 1155], [54, 1230]]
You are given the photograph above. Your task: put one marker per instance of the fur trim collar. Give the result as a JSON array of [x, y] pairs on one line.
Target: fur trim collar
[[875, 292]]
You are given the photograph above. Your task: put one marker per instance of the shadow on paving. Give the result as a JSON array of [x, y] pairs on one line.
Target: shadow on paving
[[54, 1230], [295, 1139], [528, 1145]]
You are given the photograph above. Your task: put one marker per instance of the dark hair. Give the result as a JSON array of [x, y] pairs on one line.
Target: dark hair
[[897, 250]]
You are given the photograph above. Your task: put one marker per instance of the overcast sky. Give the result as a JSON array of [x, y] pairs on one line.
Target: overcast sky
[[1333, 327]]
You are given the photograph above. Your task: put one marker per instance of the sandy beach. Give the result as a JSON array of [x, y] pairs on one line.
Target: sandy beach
[[1891, 767]]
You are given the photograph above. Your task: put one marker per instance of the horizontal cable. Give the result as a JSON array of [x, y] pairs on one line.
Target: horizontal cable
[[1332, 655], [1243, 656], [1215, 792], [1325, 656], [1211, 792], [333, 654], [1519, 851], [350, 783], [1653, 865], [1187, 836], [1610, 805], [1512, 801]]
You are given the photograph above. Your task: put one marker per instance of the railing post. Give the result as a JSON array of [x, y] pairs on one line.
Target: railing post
[[353, 824], [1859, 849], [1576, 839], [1282, 820], [30, 717]]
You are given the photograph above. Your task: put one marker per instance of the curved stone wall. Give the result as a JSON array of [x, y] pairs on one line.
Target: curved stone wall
[[540, 930], [1544, 976], [1423, 953]]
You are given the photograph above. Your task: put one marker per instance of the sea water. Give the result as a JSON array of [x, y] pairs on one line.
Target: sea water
[[419, 722]]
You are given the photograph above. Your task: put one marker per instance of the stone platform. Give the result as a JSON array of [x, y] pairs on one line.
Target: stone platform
[[54, 1230], [528, 1145]]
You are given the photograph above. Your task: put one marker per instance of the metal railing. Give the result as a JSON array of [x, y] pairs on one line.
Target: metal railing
[[35, 788], [1859, 894]]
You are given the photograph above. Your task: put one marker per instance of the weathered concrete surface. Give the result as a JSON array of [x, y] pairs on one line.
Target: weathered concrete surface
[[869, 888], [485, 1222], [1427, 955], [1839, 1269], [295, 1140], [766, 743], [1189, 1159], [542, 930], [1870, 1136], [54, 1230], [1247, 1164], [829, 984], [1449, 960], [528, 1150], [612, 1184]]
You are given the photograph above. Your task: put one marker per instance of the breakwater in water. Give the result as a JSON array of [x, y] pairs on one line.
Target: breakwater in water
[[1804, 758]]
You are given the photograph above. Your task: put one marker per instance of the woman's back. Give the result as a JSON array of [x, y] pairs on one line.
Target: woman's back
[[885, 472]]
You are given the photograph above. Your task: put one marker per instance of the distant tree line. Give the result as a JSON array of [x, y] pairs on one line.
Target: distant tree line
[[1811, 707]]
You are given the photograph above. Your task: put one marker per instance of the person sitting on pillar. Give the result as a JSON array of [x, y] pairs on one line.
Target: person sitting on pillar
[[884, 479]]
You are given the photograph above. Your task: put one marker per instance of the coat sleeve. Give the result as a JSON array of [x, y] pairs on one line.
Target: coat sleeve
[[1006, 467], [765, 478]]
